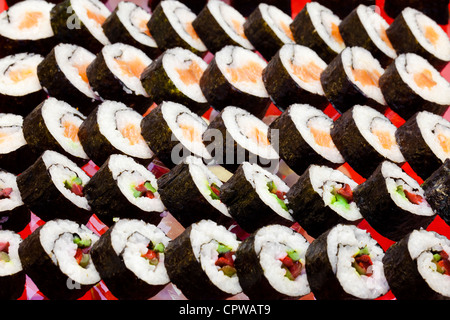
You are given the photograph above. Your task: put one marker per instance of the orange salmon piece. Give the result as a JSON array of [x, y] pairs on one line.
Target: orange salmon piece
[[366, 77], [385, 38], [71, 131], [287, 30], [322, 138], [239, 28], [190, 75], [143, 27], [444, 142], [307, 73], [20, 74], [30, 19], [251, 72], [97, 17], [190, 133], [385, 138], [191, 31], [82, 72], [132, 133], [424, 79], [431, 35], [336, 34], [131, 68], [3, 137], [259, 137]]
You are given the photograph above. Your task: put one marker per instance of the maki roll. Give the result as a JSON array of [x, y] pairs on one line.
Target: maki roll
[[25, 27], [56, 256], [171, 26], [234, 78], [53, 125], [175, 76], [12, 277], [270, 264], [130, 258], [293, 76], [256, 198], [436, 10], [53, 188], [365, 138], [14, 214], [115, 75], [366, 28], [344, 10], [303, 135], [62, 74], [20, 90], [411, 84], [219, 25], [235, 136], [267, 29], [122, 188], [128, 24], [200, 262], [418, 267], [113, 128], [437, 191], [173, 132], [15, 154], [79, 22], [321, 198], [317, 27], [191, 192], [346, 263], [413, 31], [425, 142], [392, 202]]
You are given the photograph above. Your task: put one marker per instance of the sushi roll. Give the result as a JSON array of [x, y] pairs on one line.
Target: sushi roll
[[175, 76], [317, 27], [56, 256], [130, 258], [352, 78], [365, 138], [293, 76], [267, 29], [436, 10], [53, 188], [411, 84], [366, 28], [200, 262], [219, 25], [425, 142], [20, 90], [321, 198], [271, 264], [79, 22], [128, 24], [12, 277], [171, 26], [418, 267], [413, 31], [392, 202], [191, 192], [235, 136], [25, 27], [302, 133], [15, 153], [256, 198], [123, 188], [62, 74], [346, 263], [115, 75], [113, 128], [234, 78], [246, 7], [173, 132], [53, 125]]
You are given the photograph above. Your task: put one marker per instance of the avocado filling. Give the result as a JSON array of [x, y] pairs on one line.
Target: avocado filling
[[362, 262], [152, 254], [409, 196], [291, 263], [279, 195], [440, 258], [4, 252], [214, 191], [225, 260], [342, 196], [75, 185], [5, 193], [144, 189], [83, 247]]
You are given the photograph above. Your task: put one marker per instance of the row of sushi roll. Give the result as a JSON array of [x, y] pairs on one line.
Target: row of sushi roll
[[97, 111]]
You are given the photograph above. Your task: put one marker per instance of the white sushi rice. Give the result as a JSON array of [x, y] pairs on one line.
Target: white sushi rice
[[205, 237], [343, 242], [178, 61], [122, 53], [230, 20], [18, 74], [420, 244], [14, 21], [56, 237], [410, 65], [8, 180], [130, 238], [63, 169], [368, 121], [271, 244], [232, 62], [181, 18], [306, 117], [420, 24], [11, 134], [434, 128], [278, 21], [14, 264], [127, 172]]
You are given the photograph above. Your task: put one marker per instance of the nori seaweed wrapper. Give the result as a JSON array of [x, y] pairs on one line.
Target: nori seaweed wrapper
[[437, 191], [15, 219], [436, 9], [343, 9], [12, 286], [12, 46], [21, 105], [402, 274], [18, 160], [381, 212], [246, 7]]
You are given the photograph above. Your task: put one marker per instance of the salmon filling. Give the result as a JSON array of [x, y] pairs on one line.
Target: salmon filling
[[322, 137], [19, 75], [307, 73], [385, 38], [336, 34], [431, 35], [143, 27], [251, 72], [30, 20], [366, 77], [286, 30], [424, 79], [191, 31], [71, 131], [97, 17], [131, 68], [190, 133], [238, 28], [132, 133], [82, 72], [190, 75]]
